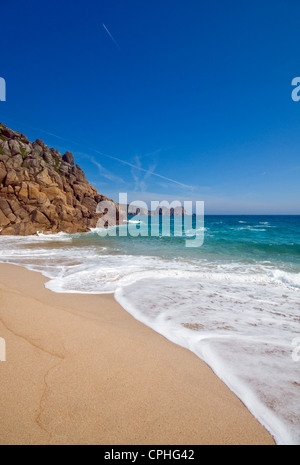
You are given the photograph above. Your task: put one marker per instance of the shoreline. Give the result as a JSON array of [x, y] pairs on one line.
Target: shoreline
[[81, 370]]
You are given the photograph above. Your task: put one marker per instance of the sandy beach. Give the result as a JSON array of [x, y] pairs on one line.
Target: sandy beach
[[80, 370]]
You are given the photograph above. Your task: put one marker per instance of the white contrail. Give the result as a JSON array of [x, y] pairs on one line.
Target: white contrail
[[105, 172], [150, 172], [110, 35], [143, 169]]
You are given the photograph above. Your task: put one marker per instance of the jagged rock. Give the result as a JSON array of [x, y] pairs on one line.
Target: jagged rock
[[48, 157], [23, 192], [3, 172], [79, 174], [54, 194], [8, 132], [3, 220], [79, 190], [14, 162], [37, 150], [14, 147], [68, 158], [41, 190], [33, 190], [39, 217], [22, 229], [6, 210], [44, 178], [64, 168], [89, 203], [17, 210], [23, 138], [42, 199], [11, 178], [4, 148]]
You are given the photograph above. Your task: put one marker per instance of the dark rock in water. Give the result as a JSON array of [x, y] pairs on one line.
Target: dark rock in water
[[42, 191], [169, 211]]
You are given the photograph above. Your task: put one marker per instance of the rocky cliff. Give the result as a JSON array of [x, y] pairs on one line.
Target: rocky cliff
[[42, 190]]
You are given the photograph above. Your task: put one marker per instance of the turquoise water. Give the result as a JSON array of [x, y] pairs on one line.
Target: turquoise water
[[247, 238], [235, 301]]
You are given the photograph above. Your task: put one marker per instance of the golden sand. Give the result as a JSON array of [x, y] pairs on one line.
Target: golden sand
[[80, 370]]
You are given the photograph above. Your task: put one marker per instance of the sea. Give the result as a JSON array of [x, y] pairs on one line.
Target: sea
[[234, 301]]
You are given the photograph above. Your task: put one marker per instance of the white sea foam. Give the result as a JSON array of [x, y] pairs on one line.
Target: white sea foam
[[243, 332], [250, 228], [241, 318], [286, 278]]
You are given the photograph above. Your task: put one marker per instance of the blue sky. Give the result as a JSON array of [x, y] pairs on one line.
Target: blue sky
[[198, 93]]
